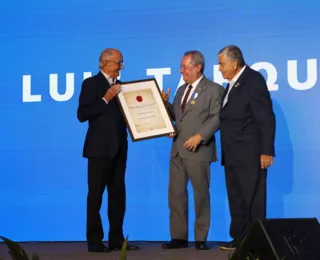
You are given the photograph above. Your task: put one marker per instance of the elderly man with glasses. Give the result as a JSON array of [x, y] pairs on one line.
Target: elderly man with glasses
[[106, 148]]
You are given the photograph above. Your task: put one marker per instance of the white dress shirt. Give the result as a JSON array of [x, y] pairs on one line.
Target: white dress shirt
[[110, 80], [231, 84]]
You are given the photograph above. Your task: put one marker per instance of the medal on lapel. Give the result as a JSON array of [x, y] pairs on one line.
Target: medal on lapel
[[195, 95]]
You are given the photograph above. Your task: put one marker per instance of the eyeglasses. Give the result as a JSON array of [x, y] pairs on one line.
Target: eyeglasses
[[120, 63]]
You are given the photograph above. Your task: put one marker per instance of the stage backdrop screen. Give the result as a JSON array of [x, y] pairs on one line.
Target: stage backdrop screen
[[48, 47]]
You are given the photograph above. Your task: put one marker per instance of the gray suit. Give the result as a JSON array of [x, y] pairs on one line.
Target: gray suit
[[201, 115]]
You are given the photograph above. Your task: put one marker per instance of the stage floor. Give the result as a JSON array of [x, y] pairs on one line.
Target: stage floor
[[148, 250]]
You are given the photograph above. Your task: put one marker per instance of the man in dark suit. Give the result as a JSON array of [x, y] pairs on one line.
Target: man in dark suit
[[106, 149], [247, 131], [195, 110]]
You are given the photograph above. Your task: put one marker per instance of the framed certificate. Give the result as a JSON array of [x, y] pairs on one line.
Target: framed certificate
[[144, 110]]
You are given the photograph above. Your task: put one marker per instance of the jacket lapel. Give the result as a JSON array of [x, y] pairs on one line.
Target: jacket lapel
[[224, 95], [178, 98], [103, 81], [235, 87]]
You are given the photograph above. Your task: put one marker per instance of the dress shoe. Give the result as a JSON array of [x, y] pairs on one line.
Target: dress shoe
[[201, 245], [228, 245], [175, 243], [98, 248], [115, 247]]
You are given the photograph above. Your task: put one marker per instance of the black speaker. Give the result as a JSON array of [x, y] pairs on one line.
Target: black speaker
[[277, 239]]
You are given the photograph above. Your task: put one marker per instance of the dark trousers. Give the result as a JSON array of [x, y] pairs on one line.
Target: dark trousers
[[108, 172], [246, 188]]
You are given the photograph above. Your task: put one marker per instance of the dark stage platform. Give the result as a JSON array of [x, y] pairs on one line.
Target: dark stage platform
[[148, 250]]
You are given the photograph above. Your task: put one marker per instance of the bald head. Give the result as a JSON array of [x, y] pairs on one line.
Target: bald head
[[107, 54], [111, 62]]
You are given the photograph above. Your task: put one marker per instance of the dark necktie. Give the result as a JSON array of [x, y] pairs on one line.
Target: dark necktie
[[185, 100]]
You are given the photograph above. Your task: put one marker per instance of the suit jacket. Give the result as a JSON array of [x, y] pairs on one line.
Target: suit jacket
[[107, 127], [201, 115], [247, 127]]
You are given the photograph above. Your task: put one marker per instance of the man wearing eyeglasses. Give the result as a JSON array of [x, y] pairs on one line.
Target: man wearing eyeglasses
[[106, 149]]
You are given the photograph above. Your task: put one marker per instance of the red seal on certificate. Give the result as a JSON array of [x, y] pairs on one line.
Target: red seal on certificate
[[139, 98]]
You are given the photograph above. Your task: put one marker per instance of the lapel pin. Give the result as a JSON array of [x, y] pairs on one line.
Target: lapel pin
[[193, 102]]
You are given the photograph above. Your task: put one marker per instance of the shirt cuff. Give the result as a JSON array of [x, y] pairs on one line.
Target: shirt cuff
[[105, 100]]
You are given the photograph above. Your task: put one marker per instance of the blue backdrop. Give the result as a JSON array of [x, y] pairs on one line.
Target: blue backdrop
[[47, 48]]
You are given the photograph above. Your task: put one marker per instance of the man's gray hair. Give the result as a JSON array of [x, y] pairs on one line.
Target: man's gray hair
[[234, 54], [196, 58], [105, 55]]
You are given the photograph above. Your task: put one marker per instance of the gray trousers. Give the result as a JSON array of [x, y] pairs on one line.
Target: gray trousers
[[181, 170]]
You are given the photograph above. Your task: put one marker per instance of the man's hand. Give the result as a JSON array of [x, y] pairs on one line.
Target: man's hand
[[266, 161], [192, 143], [171, 135], [112, 92], [165, 95]]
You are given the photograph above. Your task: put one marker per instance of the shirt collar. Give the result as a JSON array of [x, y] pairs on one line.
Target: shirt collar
[[195, 84], [236, 77], [110, 80]]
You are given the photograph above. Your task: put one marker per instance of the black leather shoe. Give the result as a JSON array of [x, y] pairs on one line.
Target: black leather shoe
[[98, 248], [201, 245], [228, 245], [175, 243], [119, 247]]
